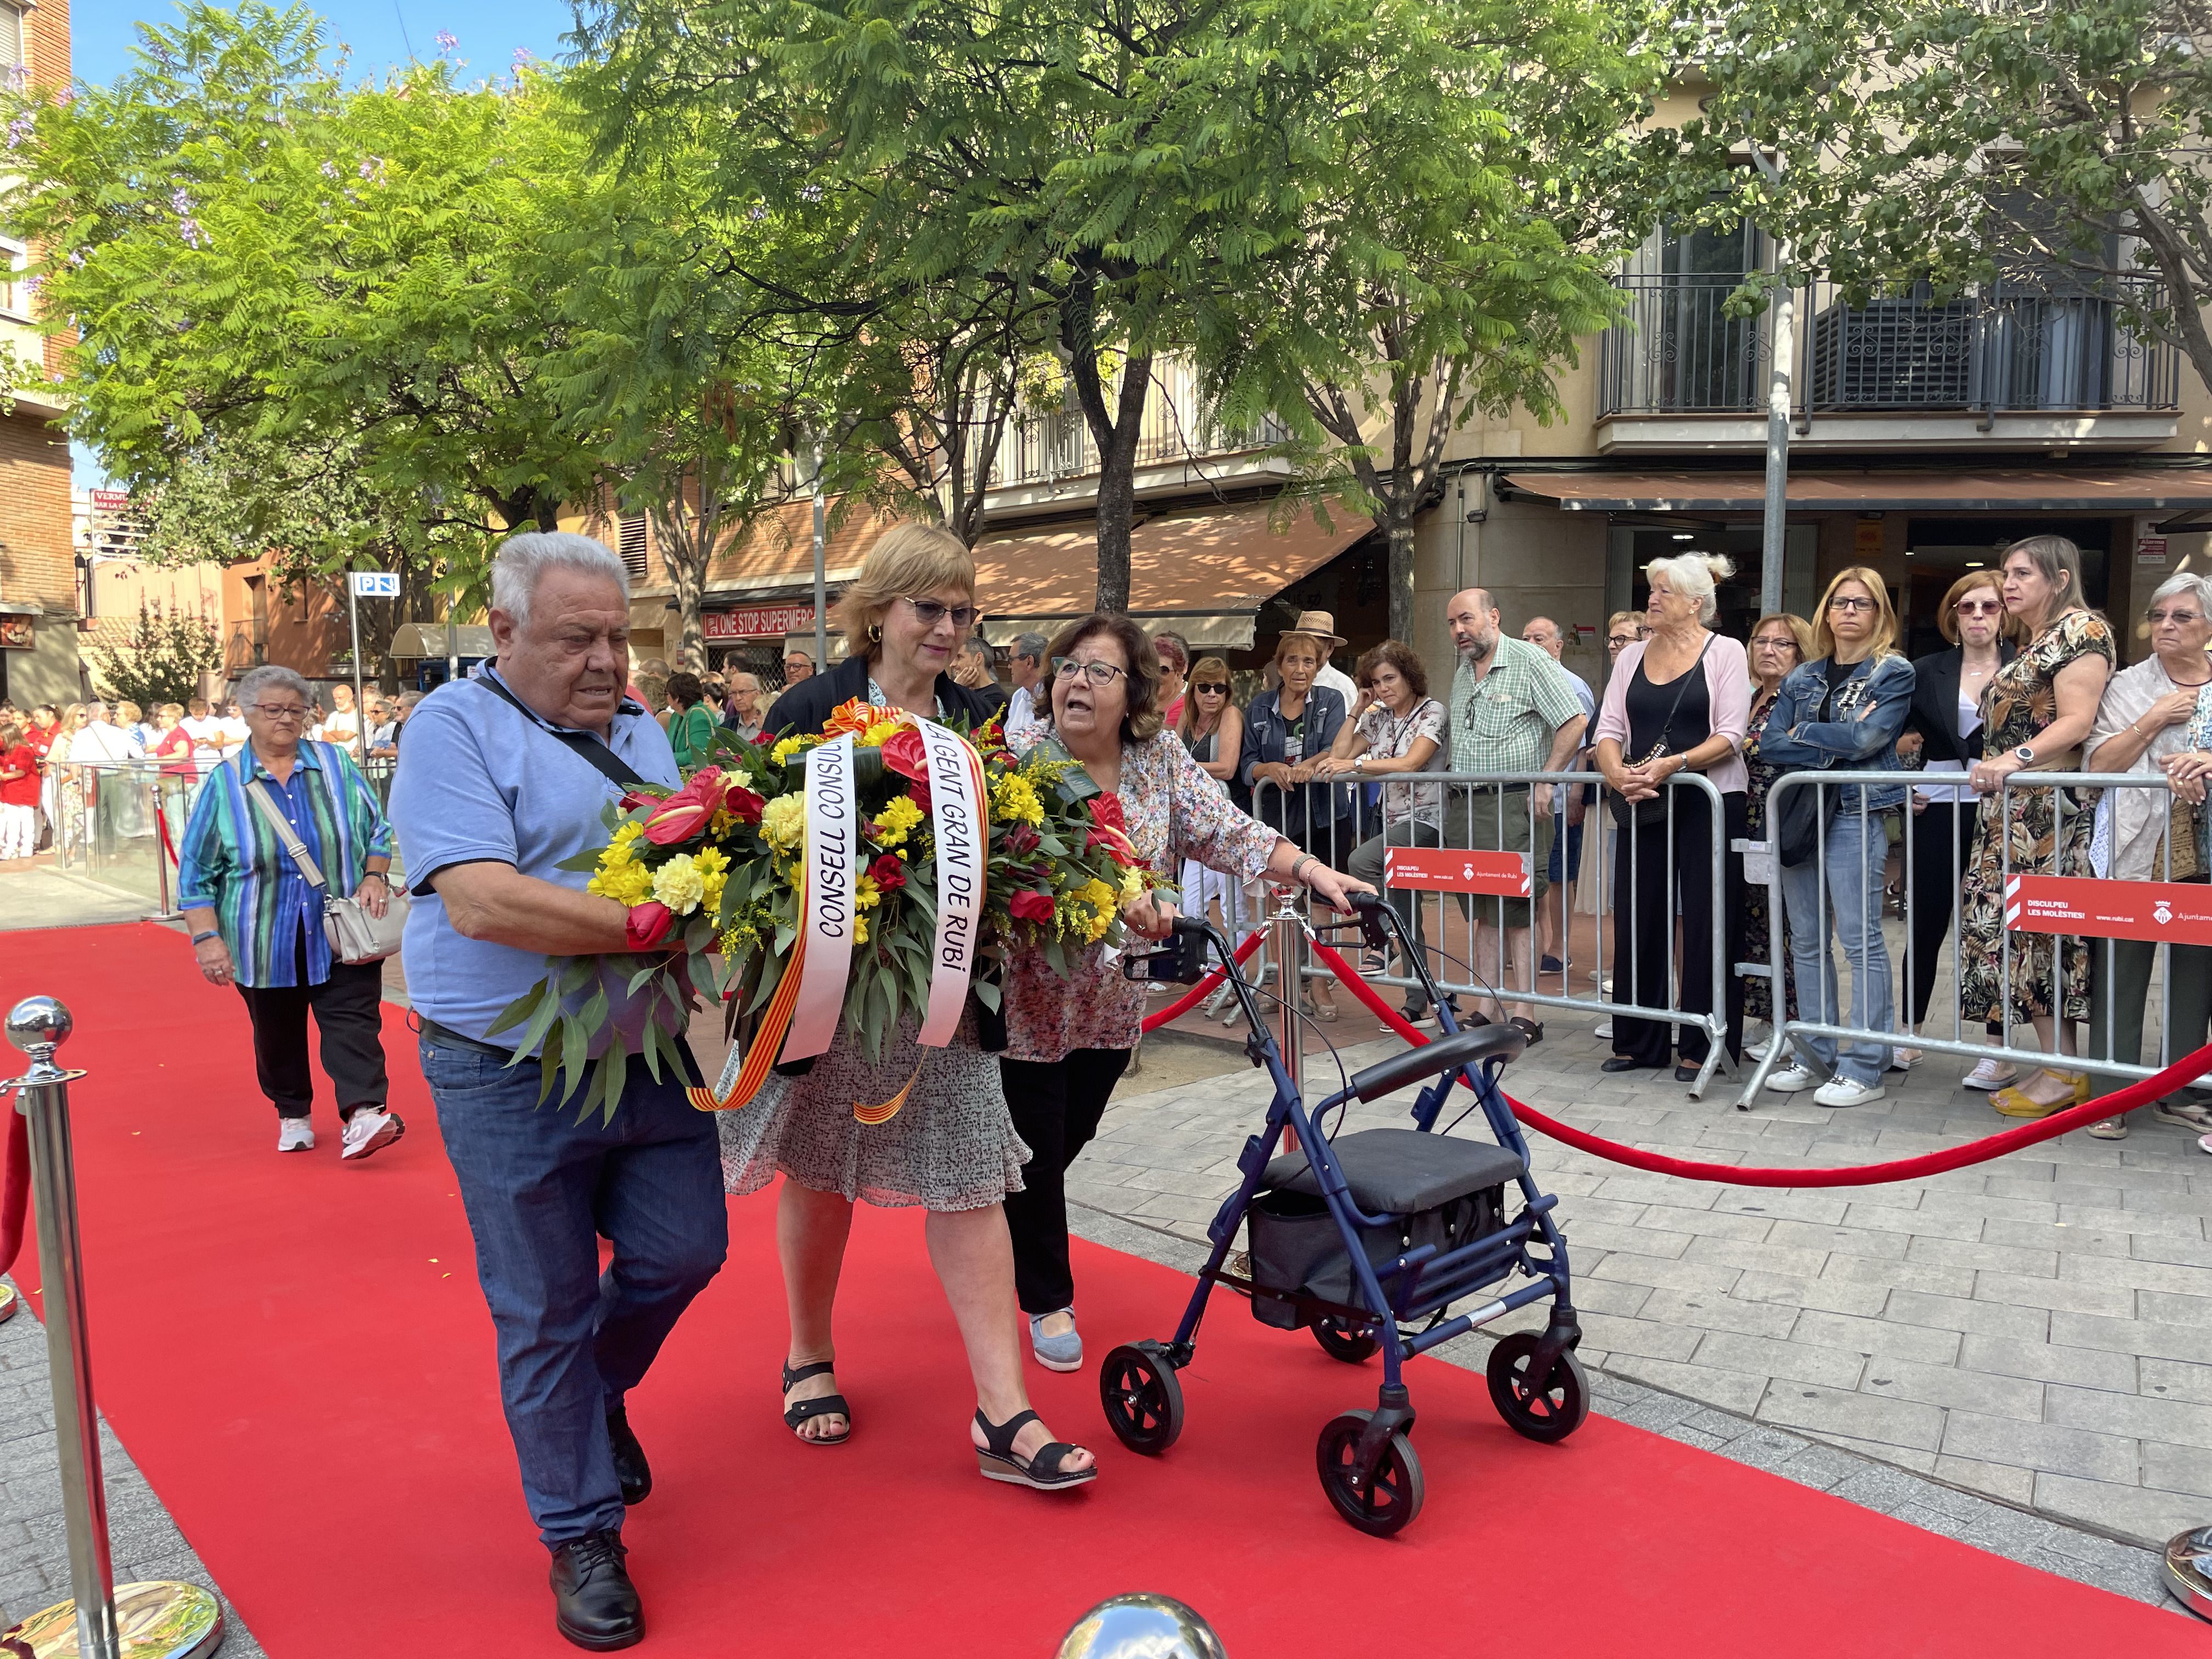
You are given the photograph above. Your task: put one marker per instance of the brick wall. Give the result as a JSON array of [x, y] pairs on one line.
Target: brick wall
[[35, 560]]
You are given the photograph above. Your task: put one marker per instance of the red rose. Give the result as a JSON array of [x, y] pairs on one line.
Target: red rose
[[1021, 840], [888, 873], [905, 754], [1030, 907], [742, 805], [648, 924]]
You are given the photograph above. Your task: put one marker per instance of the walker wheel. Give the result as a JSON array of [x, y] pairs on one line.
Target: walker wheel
[[1339, 1341], [1380, 1504], [1142, 1397], [1545, 1411]]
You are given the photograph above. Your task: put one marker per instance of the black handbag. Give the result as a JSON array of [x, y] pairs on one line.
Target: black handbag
[[1801, 825], [1646, 813]]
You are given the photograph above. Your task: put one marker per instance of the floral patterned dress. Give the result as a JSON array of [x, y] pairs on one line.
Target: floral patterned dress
[[2049, 973], [1758, 926], [1172, 811]]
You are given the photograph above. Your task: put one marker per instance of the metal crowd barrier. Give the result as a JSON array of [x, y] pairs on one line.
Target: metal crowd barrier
[[1506, 802], [1995, 1041], [100, 1620]]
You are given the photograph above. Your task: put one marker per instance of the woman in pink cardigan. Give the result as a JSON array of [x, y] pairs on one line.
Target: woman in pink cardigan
[[1678, 701]]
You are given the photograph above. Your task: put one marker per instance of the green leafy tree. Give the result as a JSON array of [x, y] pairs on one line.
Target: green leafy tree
[[164, 658], [254, 250], [1459, 218]]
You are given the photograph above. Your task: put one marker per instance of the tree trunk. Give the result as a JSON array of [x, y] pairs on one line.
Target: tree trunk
[[1399, 529], [1117, 481], [684, 553]]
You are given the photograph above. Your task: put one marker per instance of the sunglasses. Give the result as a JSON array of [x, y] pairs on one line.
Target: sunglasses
[[2181, 616], [1979, 607], [930, 613], [1206, 687]]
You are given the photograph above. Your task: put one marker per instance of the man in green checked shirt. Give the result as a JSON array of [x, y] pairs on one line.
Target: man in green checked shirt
[[1511, 709]]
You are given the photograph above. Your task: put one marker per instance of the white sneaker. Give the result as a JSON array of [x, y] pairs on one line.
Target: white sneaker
[[1844, 1091], [295, 1134], [367, 1132], [1604, 1031], [1794, 1080], [1992, 1075]]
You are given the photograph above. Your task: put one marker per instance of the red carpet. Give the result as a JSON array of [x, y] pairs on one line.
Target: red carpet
[[297, 1355]]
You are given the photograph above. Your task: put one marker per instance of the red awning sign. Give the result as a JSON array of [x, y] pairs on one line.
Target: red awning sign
[[2159, 911], [1449, 870], [757, 622]]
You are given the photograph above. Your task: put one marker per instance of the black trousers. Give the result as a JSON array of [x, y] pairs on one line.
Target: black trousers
[[349, 1010], [1644, 897], [1055, 1105], [1938, 872]]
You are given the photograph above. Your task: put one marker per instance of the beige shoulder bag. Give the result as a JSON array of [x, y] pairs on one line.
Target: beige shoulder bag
[[355, 936]]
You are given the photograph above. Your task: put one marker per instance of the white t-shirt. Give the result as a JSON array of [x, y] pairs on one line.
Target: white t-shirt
[[341, 726], [1340, 683], [101, 741], [205, 730]]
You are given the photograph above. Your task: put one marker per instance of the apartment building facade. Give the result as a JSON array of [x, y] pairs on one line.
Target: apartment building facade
[[39, 607]]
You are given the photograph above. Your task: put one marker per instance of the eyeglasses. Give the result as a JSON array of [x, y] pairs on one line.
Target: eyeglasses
[[1849, 602], [1100, 674], [1979, 607], [2181, 616], [930, 613], [279, 711], [1207, 687], [1622, 639]]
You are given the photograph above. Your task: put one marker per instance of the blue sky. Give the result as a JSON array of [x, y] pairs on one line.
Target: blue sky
[[380, 31]]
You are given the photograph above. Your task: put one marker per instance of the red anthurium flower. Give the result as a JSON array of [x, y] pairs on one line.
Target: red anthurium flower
[[637, 798], [903, 754], [888, 873], [1106, 811], [1030, 907], [684, 814], [648, 923]]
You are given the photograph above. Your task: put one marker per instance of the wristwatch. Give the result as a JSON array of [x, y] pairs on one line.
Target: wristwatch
[[1359, 763], [2024, 755]]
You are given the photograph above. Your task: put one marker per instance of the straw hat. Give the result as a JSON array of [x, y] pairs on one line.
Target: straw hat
[[1320, 622]]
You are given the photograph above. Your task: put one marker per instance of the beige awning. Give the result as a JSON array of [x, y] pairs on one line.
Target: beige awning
[[414, 641], [1204, 575], [2051, 489]]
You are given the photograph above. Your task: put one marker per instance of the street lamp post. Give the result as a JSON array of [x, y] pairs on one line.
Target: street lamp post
[[1781, 313]]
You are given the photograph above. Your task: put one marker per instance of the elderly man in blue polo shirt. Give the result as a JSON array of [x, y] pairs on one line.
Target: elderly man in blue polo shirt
[[504, 777]]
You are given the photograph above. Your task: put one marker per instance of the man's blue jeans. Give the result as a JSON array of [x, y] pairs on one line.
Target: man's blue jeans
[[540, 1189], [1857, 848]]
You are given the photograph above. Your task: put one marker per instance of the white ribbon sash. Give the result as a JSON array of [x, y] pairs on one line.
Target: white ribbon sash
[[960, 820], [832, 862]]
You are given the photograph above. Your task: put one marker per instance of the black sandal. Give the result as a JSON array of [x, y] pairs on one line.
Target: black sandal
[[1528, 1028], [800, 1412], [1042, 1472]]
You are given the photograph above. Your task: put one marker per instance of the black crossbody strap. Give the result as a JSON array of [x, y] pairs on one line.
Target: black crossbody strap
[[1681, 684], [588, 748]]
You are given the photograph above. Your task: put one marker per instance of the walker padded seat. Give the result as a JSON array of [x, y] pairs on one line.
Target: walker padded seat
[[1400, 1171]]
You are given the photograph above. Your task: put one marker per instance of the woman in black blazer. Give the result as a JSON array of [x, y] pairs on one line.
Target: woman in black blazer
[[1943, 730]]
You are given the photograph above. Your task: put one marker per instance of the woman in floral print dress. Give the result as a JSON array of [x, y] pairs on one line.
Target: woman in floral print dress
[[1068, 1040], [2037, 711]]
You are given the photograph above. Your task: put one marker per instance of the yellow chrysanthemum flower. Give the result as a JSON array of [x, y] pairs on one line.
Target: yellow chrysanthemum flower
[[1014, 801], [783, 823], [859, 930], [1133, 885], [866, 894], [798, 743], [896, 822], [679, 886], [627, 883]]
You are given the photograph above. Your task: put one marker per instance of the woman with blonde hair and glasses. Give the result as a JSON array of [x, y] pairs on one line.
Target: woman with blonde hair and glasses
[[2036, 713], [952, 1149], [1943, 733], [1841, 712]]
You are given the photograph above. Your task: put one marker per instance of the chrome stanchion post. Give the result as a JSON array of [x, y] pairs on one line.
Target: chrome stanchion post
[[168, 912], [1141, 1627], [170, 1620], [1289, 946]]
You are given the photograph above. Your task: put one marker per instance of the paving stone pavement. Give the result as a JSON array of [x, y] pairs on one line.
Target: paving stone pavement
[[34, 1546], [2037, 1331]]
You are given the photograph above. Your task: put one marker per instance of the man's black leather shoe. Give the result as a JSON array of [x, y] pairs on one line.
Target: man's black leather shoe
[[594, 1604], [631, 1467]]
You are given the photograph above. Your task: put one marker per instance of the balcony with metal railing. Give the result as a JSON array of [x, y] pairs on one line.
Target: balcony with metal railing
[[1049, 459], [1994, 369]]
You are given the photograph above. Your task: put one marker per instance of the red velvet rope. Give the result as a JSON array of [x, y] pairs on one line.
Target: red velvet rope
[[2141, 1093], [1198, 993], [161, 822], [15, 1186]]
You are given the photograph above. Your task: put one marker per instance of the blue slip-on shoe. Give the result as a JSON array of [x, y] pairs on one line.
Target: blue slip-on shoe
[[1063, 1352]]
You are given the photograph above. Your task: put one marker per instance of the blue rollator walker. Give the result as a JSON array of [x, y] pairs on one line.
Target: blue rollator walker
[[1367, 1240]]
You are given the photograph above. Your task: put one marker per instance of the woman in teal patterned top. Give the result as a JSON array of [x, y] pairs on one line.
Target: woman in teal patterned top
[[258, 924]]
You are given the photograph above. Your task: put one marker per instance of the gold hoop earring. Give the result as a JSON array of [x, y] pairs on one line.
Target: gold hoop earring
[[875, 633]]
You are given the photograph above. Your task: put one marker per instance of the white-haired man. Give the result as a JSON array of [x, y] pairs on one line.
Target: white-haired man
[[506, 774]]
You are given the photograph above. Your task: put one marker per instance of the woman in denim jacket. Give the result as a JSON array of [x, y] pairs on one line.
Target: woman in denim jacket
[[1843, 712]]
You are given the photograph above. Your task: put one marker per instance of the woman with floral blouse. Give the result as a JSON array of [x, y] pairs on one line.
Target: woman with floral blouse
[[1067, 1044]]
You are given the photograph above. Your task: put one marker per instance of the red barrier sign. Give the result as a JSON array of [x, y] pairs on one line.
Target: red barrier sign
[[2178, 911], [1446, 870]]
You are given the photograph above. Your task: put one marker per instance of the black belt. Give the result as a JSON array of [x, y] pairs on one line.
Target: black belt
[[445, 1037]]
